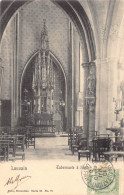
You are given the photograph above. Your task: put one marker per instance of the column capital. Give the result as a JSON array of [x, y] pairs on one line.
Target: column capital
[[92, 64], [88, 64]]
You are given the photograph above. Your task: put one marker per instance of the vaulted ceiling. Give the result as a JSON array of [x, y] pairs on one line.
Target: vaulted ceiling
[[72, 8]]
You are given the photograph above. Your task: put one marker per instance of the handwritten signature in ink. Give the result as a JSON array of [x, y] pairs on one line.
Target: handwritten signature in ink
[[18, 180]]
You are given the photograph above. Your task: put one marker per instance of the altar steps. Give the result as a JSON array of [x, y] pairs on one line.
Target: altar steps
[[45, 134]]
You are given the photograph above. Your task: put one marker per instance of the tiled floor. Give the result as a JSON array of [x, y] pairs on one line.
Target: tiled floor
[[50, 148]]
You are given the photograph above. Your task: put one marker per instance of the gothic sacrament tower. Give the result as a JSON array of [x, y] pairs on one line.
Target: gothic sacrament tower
[[43, 77], [43, 88]]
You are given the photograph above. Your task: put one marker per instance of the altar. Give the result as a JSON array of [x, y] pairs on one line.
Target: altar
[[44, 124]]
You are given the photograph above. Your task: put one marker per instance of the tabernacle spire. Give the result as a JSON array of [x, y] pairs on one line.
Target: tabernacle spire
[[44, 37]]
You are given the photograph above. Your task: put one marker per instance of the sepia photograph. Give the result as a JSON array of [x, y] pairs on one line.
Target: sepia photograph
[[61, 97]]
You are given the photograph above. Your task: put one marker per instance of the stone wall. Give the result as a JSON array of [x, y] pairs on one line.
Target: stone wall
[[30, 24]]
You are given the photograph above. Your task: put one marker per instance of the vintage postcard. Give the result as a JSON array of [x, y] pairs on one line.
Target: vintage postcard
[[62, 97]]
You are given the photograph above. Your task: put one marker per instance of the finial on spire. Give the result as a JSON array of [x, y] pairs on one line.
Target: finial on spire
[[44, 27], [44, 37]]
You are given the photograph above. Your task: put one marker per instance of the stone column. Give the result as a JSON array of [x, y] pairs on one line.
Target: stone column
[[85, 111], [104, 94], [76, 54], [70, 92], [1, 75], [14, 75], [89, 100]]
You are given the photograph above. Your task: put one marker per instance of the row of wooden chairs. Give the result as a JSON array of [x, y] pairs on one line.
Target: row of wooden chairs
[[74, 135], [100, 145], [99, 148], [12, 147], [30, 137], [29, 133], [13, 143], [77, 142], [105, 145]]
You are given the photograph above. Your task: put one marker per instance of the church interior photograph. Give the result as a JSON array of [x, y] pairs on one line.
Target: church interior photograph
[[62, 80]]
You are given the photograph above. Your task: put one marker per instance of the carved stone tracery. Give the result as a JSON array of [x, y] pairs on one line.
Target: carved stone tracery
[[43, 84], [91, 80], [90, 83], [89, 99], [91, 102]]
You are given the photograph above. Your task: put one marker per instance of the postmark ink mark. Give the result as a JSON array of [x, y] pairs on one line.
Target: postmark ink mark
[[98, 175]]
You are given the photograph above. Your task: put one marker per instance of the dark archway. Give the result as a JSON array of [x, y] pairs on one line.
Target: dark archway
[[60, 92]]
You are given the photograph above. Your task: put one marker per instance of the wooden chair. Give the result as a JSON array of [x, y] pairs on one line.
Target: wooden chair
[[100, 145], [118, 146], [78, 138], [83, 150], [116, 152], [11, 140], [15, 149], [2, 152], [19, 148], [75, 146], [4, 145], [20, 141], [19, 154], [72, 136], [9, 148], [30, 137]]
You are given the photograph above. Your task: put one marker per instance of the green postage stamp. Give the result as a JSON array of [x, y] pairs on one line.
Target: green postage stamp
[[100, 178]]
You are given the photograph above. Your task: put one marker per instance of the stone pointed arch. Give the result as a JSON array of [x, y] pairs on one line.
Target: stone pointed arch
[[73, 9], [58, 63]]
